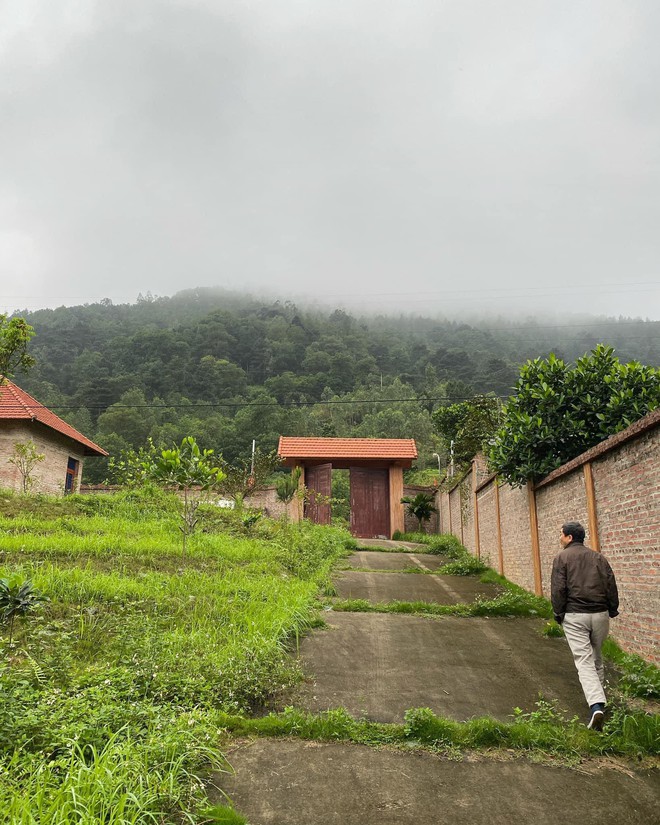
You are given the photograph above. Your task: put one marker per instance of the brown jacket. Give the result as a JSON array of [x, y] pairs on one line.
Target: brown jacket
[[582, 582]]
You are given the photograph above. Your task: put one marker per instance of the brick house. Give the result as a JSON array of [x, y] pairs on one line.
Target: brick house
[[23, 419]]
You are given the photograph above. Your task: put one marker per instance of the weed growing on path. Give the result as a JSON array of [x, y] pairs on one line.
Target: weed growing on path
[[442, 544], [543, 731], [506, 604]]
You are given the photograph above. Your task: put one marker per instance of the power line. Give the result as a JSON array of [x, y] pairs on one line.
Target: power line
[[214, 405]]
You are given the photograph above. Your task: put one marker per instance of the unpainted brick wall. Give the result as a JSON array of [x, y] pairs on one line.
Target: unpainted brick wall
[[50, 474], [565, 500], [627, 485], [627, 493], [467, 512], [488, 548], [410, 522], [455, 509], [268, 501], [516, 536]]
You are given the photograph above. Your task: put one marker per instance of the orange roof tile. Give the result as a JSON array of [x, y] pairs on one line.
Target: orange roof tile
[[18, 405], [359, 448]]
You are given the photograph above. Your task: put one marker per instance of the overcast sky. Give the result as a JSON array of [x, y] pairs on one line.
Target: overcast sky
[[419, 154]]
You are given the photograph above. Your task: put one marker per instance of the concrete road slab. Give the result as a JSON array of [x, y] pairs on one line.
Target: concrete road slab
[[378, 665], [389, 544], [289, 782], [373, 560], [404, 587]]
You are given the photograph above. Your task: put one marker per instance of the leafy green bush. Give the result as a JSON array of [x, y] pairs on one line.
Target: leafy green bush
[[559, 411]]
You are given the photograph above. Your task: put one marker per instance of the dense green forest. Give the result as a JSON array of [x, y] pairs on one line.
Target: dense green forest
[[228, 368]]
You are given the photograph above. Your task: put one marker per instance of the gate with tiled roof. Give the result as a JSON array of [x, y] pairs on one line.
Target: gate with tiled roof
[[376, 468]]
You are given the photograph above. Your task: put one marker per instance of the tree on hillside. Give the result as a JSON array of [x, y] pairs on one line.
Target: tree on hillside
[[469, 424], [559, 411], [15, 335]]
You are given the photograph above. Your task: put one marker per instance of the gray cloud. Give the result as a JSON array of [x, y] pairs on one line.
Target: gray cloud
[[496, 155]]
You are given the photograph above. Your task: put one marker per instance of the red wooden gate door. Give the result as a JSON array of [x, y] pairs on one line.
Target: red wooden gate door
[[370, 503], [318, 480]]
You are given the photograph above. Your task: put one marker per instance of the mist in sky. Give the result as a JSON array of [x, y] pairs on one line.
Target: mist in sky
[[423, 156]]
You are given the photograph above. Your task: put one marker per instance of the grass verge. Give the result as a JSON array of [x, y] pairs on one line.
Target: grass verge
[[544, 730]]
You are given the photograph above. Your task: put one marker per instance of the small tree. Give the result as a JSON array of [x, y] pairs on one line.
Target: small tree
[[131, 467], [286, 488], [248, 476], [25, 459], [469, 424], [420, 506], [188, 470], [15, 335], [18, 597]]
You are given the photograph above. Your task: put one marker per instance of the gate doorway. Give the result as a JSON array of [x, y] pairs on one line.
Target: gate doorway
[[318, 481], [376, 478], [370, 503]]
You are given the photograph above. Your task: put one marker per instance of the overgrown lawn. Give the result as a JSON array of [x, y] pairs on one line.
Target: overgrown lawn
[[110, 693]]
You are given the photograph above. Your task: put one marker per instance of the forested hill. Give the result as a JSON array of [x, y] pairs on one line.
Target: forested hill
[[228, 368]]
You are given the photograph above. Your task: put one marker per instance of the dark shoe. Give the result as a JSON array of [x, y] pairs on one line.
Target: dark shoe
[[597, 718]]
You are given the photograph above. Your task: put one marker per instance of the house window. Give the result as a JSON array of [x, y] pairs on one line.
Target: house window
[[71, 475]]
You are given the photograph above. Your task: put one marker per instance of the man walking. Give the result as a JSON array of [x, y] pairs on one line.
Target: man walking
[[584, 598]]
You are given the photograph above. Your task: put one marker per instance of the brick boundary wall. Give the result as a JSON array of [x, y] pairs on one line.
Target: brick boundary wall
[[410, 522], [613, 489]]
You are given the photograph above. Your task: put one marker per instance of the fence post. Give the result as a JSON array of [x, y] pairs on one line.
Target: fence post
[[460, 509], [500, 552], [451, 531], [594, 539], [477, 546], [534, 530]]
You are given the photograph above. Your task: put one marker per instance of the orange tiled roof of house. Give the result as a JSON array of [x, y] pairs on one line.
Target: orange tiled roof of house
[[18, 405], [358, 448]]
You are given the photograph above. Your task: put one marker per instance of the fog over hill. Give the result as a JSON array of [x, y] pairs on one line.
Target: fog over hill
[[229, 367]]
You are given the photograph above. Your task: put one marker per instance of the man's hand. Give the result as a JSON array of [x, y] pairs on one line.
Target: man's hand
[[559, 619]]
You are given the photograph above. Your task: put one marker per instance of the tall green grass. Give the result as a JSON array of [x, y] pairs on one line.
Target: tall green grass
[[108, 698]]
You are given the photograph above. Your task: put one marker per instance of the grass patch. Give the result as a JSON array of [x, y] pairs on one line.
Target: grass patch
[[467, 566], [223, 815], [506, 604], [109, 695], [543, 730], [637, 677], [437, 543], [552, 630]]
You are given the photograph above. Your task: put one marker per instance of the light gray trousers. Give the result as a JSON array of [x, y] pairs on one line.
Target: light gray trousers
[[585, 634]]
